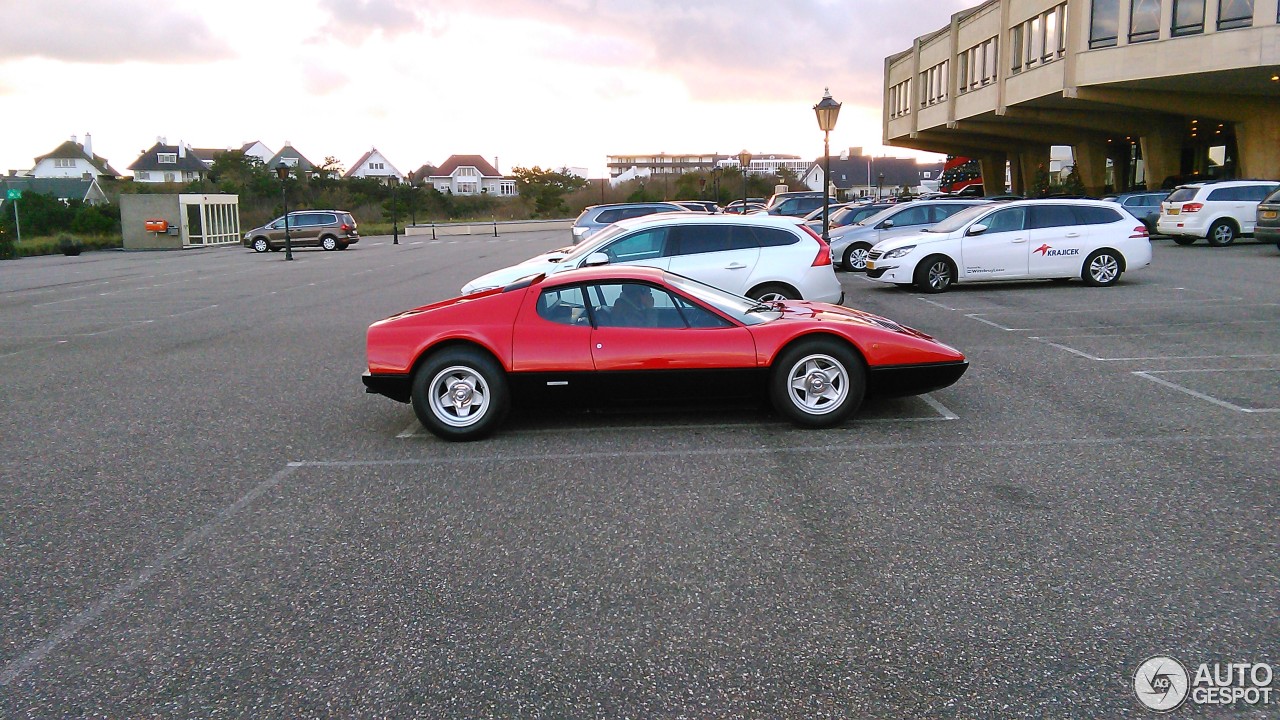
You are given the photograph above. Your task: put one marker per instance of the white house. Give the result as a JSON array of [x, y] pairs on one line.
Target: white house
[[72, 159], [373, 164], [471, 175], [164, 163]]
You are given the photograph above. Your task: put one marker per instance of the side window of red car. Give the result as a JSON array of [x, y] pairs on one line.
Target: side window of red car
[[562, 305]]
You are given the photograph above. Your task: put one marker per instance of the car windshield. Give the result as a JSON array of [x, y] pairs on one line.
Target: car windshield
[[593, 243], [959, 220], [744, 310]]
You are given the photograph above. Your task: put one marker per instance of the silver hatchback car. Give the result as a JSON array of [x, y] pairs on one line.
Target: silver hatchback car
[[851, 243]]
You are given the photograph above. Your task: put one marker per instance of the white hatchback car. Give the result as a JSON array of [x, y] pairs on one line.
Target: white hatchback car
[[1219, 211], [1054, 239], [763, 257]]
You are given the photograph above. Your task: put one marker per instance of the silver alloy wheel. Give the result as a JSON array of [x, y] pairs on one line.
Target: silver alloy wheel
[[1104, 269], [856, 258], [772, 297], [1223, 234], [939, 277], [818, 384], [459, 396], [329, 243], [260, 245]]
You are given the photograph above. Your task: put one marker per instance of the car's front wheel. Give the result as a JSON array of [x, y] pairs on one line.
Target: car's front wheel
[[1102, 268], [817, 383], [261, 245], [935, 274], [460, 394], [855, 257], [1222, 233], [772, 292]]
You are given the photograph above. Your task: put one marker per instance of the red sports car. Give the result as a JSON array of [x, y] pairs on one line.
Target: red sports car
[[617, 331]]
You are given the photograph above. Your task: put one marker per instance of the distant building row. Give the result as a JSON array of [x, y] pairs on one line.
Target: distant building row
[[181, 163]]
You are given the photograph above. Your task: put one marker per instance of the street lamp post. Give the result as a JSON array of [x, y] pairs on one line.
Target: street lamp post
[[827, 111], [744, 160], [879, 187], [282, 171], [393, 182]]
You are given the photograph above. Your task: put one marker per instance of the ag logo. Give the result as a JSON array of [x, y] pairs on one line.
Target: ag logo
[[1161, 683]]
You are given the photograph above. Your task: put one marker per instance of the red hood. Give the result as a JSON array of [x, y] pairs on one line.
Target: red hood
[[826, 312]]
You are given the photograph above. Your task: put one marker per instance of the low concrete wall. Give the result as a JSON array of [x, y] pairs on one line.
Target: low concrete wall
[[487, 228]]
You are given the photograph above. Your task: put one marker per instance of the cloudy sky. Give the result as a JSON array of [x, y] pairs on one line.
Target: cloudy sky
[[529, 82]]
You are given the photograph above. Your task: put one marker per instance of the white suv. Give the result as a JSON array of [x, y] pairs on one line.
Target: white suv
[[1219, 211], [763, 257]]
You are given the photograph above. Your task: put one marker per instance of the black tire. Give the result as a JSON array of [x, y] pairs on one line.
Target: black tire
[[935, 274], [344, 245], [329, 242], [1183, 239], [904, 286], [261, 245], [855, 257], [480, 384], [1102, 268], [773, 291], [1222, 233], [817, 383]]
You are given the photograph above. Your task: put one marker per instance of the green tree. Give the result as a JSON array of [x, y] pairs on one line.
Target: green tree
[[235, 172], [546, 189]]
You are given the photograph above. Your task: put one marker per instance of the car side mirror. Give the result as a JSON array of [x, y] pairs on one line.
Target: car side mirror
[[976, 229], [886, 225], [594, 259]]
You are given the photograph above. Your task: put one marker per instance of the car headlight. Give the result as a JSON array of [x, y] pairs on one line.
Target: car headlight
[[898, 252]]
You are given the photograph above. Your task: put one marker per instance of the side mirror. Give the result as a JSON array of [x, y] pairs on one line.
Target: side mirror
[[976, 229], [594, 259], [886, 225]]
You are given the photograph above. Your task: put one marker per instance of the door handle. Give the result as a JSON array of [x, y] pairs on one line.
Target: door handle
[[735, 266], [1018, 240], [1073, 234]]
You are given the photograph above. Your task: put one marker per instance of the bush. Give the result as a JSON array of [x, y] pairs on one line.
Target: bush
[[69, 244]]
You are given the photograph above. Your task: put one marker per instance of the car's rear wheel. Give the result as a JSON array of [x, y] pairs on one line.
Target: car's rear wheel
[[261, 245], [329, 242], [1102, 268], [1222, 233], [344, 245], [772, 292], [855, 257], [460, 394], [817, 383], [935, 274]]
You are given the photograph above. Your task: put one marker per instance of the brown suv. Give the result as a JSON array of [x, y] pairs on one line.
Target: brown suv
[[329, 229], [1268, 227]]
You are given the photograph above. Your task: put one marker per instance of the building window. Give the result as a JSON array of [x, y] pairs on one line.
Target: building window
[[144, 176], [1234, 14], [64, 163], [466, 188], [1188, 17], [1103, 23], [1043, 38], [375, 166], [1015, 42], [167, 158], [1144, 21], [899, 101], [169, 177], [933, 85], [978, 65]]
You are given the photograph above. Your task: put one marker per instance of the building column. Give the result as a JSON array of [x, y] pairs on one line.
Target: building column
[[992, 167], [1259, 153], [1162, 154], [1091, 165]]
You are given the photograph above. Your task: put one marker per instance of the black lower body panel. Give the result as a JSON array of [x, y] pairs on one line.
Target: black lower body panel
[[901, 380]]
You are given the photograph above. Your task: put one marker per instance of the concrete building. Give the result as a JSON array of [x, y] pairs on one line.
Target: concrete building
[[623, 168], [1147, 92]]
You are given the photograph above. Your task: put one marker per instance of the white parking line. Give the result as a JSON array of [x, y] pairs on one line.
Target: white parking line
[[1083, 354], [1151, 375]]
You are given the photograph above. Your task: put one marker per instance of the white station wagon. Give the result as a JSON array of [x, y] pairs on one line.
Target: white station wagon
[[1024, 239]]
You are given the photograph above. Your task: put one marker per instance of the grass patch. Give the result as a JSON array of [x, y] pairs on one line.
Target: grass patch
[[51, 245]]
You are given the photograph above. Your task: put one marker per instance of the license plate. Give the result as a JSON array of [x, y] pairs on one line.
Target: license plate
[[1269, 214], [1174, 211], [871, 265]]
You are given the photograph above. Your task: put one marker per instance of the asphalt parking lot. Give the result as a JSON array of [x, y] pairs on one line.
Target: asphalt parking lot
[[203, 514]]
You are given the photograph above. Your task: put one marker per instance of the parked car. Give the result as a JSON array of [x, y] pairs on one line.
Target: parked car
[[702, 206], [1051, 239], [796, 204], [607, 333], [1219, 211], [752, 205], [762, 257], [815, 216], [851, 243], [1267, 228], [598, 217], [1142, 205], [329, 229]]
